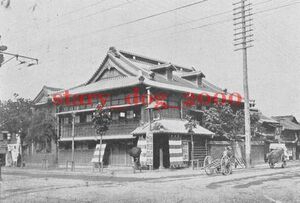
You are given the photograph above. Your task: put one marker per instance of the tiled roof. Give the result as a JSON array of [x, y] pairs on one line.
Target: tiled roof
[[170, 126], [287, 124], [151, 60], [42, 96], [287, 117], [263, 118], [135, 66], [107, 84]]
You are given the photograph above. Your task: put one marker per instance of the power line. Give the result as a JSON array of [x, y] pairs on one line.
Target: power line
[[89, 15], [203, 18], [199, 19], [161, 13], [143, 18], [62, 15]]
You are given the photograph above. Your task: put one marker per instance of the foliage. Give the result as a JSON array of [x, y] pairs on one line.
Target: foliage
[[101, 120], [42, 127], [15, 115], [224, 121], [191, 124]]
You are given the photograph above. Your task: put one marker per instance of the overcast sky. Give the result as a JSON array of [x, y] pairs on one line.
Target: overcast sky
[[71, 37]]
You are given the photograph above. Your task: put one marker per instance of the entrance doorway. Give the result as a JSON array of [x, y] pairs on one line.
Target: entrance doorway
[[161, 141]]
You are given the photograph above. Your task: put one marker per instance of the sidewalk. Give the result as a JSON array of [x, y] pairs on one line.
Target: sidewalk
[[128, 172]]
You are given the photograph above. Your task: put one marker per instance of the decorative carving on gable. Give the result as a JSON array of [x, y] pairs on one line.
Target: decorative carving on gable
[[109, 73]]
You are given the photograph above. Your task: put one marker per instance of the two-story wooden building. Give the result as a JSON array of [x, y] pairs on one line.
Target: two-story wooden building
[[134, 87]]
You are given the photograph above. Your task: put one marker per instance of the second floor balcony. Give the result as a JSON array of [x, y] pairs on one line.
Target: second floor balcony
[[86, 129]]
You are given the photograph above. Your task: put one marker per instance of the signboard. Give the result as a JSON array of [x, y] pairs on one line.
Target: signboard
[[185, 150], [143, 145], [14, 149], [149, 147], [95, 158], [3, 147]]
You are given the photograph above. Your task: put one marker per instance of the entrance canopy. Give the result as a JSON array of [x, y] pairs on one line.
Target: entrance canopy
[[175, 126]]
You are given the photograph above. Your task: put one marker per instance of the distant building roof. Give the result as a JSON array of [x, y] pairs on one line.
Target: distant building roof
[[263, 118], [42, 96], [287, 117], [288, 122]]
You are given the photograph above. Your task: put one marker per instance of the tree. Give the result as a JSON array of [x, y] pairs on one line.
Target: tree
[[101, 121], [42, 129], [15, 115], [224, 121]]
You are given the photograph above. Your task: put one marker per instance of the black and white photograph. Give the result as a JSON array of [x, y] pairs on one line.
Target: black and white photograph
[[149, 101]]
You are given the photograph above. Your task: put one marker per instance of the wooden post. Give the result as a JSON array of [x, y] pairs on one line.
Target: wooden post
[[57, 143], [193, 148], [149, 116], [161, 158], [148, 103], [100, 161], [73, 141], [181, 109]]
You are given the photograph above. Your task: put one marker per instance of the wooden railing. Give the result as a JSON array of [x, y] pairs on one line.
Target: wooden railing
[[86, 129]]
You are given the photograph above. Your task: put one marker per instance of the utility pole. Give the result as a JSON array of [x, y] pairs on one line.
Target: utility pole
[[242, 41]]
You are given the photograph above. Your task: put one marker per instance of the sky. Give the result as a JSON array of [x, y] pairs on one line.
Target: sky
[[71, 37]]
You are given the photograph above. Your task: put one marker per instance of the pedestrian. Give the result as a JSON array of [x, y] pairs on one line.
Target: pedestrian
[[227, 156], [135, 153]]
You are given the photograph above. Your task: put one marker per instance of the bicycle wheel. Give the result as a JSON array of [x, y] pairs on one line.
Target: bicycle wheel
[[208, 166]]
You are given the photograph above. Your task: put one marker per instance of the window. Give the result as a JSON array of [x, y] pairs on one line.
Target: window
[[89, 118], [130, 114], [77, 119], [65, 120], [83, 118], [115, 116], [122, 114]]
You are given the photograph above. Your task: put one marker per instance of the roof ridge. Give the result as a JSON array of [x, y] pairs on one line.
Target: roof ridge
[[153, 59]]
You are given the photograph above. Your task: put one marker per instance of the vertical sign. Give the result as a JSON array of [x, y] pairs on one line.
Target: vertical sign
[[149, 147], [185, 150], [95, 158]]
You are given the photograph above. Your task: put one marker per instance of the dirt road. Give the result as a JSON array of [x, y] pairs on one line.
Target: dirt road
[[255, 185]]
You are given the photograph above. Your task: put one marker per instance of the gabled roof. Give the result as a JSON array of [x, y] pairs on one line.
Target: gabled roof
[[42, 96], [136, 69]]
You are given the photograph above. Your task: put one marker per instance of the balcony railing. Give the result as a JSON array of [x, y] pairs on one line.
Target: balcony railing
[[86, 129]]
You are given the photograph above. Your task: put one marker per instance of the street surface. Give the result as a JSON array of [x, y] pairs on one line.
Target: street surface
[[244, 185]]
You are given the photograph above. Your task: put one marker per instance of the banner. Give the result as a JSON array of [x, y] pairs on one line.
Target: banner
[[95, 158], [14, 150], [175, 151], [142, 143]]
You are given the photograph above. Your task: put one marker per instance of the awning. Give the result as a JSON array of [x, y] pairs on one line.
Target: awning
[[105, 137], [176, 126]]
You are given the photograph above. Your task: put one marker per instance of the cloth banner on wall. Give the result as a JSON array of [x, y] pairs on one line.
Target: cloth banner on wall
[[14, 150], [175, 151], [95, 158], [142, 143]]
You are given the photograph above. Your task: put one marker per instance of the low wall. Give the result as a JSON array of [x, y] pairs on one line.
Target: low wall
[[216, 148], [36, 160]]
